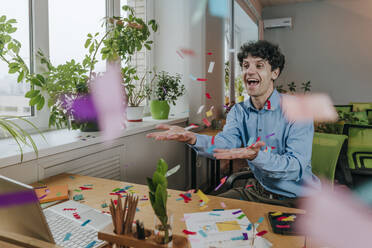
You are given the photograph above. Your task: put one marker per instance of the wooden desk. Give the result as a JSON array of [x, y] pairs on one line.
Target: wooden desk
[[102, 188]]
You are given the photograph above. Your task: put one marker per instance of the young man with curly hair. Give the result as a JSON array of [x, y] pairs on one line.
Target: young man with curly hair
[[278, 152]]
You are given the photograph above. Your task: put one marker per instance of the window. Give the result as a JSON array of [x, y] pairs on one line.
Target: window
[[68, 33], [12, 100]]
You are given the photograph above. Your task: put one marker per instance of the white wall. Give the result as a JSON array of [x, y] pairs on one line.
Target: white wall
[[330, 45], [176, 31]]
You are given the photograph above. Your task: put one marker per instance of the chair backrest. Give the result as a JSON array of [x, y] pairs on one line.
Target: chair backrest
[[369, 116], [359, 148], [361, 106], [345, 108], [325, 154]]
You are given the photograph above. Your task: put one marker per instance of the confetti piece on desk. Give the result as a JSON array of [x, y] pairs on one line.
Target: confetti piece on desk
[[91, 244], [179, 199], [248, 186], [88, 185], [47, 191], [276, 214], [203, 207], [309, 107], [201, 79], [172, 171], [206, 122], [58, 194], [211, 65], [187, 232], [77, 190], [104, 205], [69, 209], [245, 235], [137, 209], [267, 136], [214, 214], [117, 189], [85, 222], [67, 236], [208, 95], [185, 198], [223, 180], [218, 8], [76, 216], [283, 226], [41, 197], [78, 197], [85, 188], [238, 238], [202, 233], [209, 53], [223, 205], [241, 216], [236, 212], [218, 209], [261, 233], [260, 220], [249, 227], [289, 218]]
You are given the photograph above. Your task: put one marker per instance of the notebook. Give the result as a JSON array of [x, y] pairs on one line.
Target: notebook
[[52, 193]]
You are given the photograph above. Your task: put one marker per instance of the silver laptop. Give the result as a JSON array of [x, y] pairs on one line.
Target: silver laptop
[[68, 224]]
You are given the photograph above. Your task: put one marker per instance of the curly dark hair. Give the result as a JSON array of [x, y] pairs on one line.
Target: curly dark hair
[[265, 50]]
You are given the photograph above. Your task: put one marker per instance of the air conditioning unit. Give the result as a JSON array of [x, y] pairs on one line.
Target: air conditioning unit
[[278, 23]]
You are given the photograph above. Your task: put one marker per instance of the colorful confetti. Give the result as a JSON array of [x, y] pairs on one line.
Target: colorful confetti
[[85, 223], [211, 66], [236, 212], [188, 232], [206, 122], [208, 95], [67, 236], [223, 180], [261, 233]]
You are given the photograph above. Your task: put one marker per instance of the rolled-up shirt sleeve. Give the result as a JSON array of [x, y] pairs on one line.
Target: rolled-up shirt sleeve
[[229, 138], [297, 155]]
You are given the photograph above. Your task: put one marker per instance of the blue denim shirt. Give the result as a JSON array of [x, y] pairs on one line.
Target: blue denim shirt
[[284, 170]]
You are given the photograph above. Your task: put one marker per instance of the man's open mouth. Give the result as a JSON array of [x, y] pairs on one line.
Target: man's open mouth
[[253, 82]]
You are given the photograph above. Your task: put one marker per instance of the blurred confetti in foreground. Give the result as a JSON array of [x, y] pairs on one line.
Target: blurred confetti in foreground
[[110, 100], [314, 107], [336, 218]]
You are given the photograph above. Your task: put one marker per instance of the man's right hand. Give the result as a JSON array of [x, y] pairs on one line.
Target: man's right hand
[[173, 133]]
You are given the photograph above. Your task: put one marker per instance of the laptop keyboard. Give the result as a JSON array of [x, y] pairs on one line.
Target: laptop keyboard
[[68, 233]]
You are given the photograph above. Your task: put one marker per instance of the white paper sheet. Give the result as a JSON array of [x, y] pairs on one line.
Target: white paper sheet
[[212, 223]]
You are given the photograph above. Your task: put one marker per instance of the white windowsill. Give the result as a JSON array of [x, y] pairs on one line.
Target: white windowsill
[[63, 140]]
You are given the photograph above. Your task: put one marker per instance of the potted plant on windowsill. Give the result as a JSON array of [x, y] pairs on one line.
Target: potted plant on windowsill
[[166, 89], [124, 37], [136, 92], [240, 89]]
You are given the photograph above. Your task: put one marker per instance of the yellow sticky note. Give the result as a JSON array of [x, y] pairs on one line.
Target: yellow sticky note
[[228, 226], [209, 113], [276, 214], [202, 196]]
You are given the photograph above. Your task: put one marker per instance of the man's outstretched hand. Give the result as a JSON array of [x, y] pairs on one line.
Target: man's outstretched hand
[[173, 133], [239, 153]]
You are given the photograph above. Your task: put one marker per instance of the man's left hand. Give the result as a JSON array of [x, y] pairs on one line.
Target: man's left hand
[[239, 153]]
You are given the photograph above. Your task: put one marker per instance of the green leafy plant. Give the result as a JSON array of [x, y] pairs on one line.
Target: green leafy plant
[[21, 137], [136, 93], [239, 86], [167, 87], [158, 195], [306, 87]]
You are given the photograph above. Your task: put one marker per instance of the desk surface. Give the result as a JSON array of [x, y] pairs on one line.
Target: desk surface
[[102, 188]]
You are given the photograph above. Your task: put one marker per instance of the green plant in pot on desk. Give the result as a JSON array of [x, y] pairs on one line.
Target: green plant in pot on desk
[[158, 198], [167, 89]]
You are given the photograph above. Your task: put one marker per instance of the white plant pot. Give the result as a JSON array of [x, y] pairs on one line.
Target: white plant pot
[[135, 114]]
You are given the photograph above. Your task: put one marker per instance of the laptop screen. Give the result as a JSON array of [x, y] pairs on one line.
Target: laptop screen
[[20, 211]]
